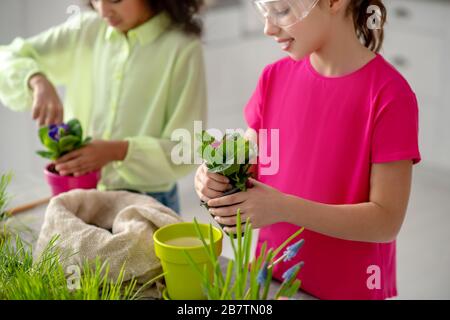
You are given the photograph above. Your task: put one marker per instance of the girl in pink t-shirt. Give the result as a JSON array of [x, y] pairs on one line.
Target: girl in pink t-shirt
[[344, 128]]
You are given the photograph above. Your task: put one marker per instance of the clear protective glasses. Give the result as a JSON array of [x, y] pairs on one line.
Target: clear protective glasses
[[284, 13]]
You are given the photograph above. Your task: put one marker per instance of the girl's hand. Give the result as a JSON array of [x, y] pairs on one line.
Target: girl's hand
[[47, 107], [210, 185], [92, 157], [259, 204]]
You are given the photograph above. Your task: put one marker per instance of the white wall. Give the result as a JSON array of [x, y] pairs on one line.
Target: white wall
[[18, 133], [230, 81]]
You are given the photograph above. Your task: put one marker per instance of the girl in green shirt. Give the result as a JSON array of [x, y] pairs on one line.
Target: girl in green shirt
[[133, 72]]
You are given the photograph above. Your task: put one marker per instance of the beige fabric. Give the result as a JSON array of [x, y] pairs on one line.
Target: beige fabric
[[83, 218]]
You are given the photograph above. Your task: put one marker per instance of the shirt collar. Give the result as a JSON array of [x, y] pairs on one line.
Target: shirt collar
[[146, 32]]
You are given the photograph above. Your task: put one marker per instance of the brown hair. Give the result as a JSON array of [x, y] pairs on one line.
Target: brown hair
[[371, 38], [182, 12]]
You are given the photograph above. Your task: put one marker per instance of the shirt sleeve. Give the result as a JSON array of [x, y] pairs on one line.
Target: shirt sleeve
[[148, 163], [254, 107], [396, 131], [49, 53]]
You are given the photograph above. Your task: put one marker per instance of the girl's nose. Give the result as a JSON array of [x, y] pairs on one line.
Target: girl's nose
[[271, 29]]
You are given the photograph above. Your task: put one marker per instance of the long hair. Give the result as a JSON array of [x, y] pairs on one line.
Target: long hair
[[182, 12]]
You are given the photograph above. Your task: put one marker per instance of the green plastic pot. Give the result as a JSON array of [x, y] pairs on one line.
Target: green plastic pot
[[182, 280]]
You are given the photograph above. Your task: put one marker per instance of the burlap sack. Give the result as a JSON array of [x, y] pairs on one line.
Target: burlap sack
[[114, 226]]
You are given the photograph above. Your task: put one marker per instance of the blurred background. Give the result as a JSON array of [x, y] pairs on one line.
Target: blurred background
[[417, 44]]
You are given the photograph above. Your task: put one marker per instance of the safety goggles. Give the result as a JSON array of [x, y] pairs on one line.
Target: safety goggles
[[284, 13]]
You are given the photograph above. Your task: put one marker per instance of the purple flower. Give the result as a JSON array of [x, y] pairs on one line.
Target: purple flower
[[262, 274], [290, 273], [54, 131], [292, 250]]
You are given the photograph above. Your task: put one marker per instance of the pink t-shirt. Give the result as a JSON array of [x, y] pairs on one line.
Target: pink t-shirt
[[331, 129]]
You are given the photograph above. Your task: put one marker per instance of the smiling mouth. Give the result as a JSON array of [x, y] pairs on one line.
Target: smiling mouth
[[286, 44]]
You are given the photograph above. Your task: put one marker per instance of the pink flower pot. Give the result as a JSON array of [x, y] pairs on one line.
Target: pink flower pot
[[60, 184]]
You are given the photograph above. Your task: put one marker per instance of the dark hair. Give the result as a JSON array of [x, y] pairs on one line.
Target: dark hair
[[371, 38], [182, 12]]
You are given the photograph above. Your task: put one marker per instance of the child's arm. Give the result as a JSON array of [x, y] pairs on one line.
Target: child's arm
[[378, 220]]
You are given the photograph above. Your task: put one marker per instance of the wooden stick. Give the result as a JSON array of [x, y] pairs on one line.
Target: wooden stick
[[29, 206]]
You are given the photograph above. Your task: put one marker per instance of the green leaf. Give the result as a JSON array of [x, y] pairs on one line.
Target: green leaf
[[227, 280], [5, 180], [75, 128], [43, 132], [232, 168], [209, 154], [206, 137], [294, 288], [51, 144], [68, 143], [206, 140], [220, 168], [47, 154], [61, 132]]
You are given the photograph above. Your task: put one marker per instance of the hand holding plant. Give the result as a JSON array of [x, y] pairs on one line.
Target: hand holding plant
[[75, 156], [92, 157], [230, 157], [261, 204], [227, 160], [76, 161]]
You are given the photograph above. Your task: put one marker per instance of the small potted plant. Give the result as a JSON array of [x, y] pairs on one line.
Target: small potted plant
[[60, 140], [251, 278], [230, 157]]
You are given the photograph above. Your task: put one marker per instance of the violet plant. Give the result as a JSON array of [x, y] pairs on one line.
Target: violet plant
[[61, 139], [252, 279]]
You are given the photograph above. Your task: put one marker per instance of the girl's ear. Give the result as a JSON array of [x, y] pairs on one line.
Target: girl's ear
[[338, 5]]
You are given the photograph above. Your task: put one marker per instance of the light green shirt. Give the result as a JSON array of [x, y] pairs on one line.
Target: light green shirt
[[137, 88]]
